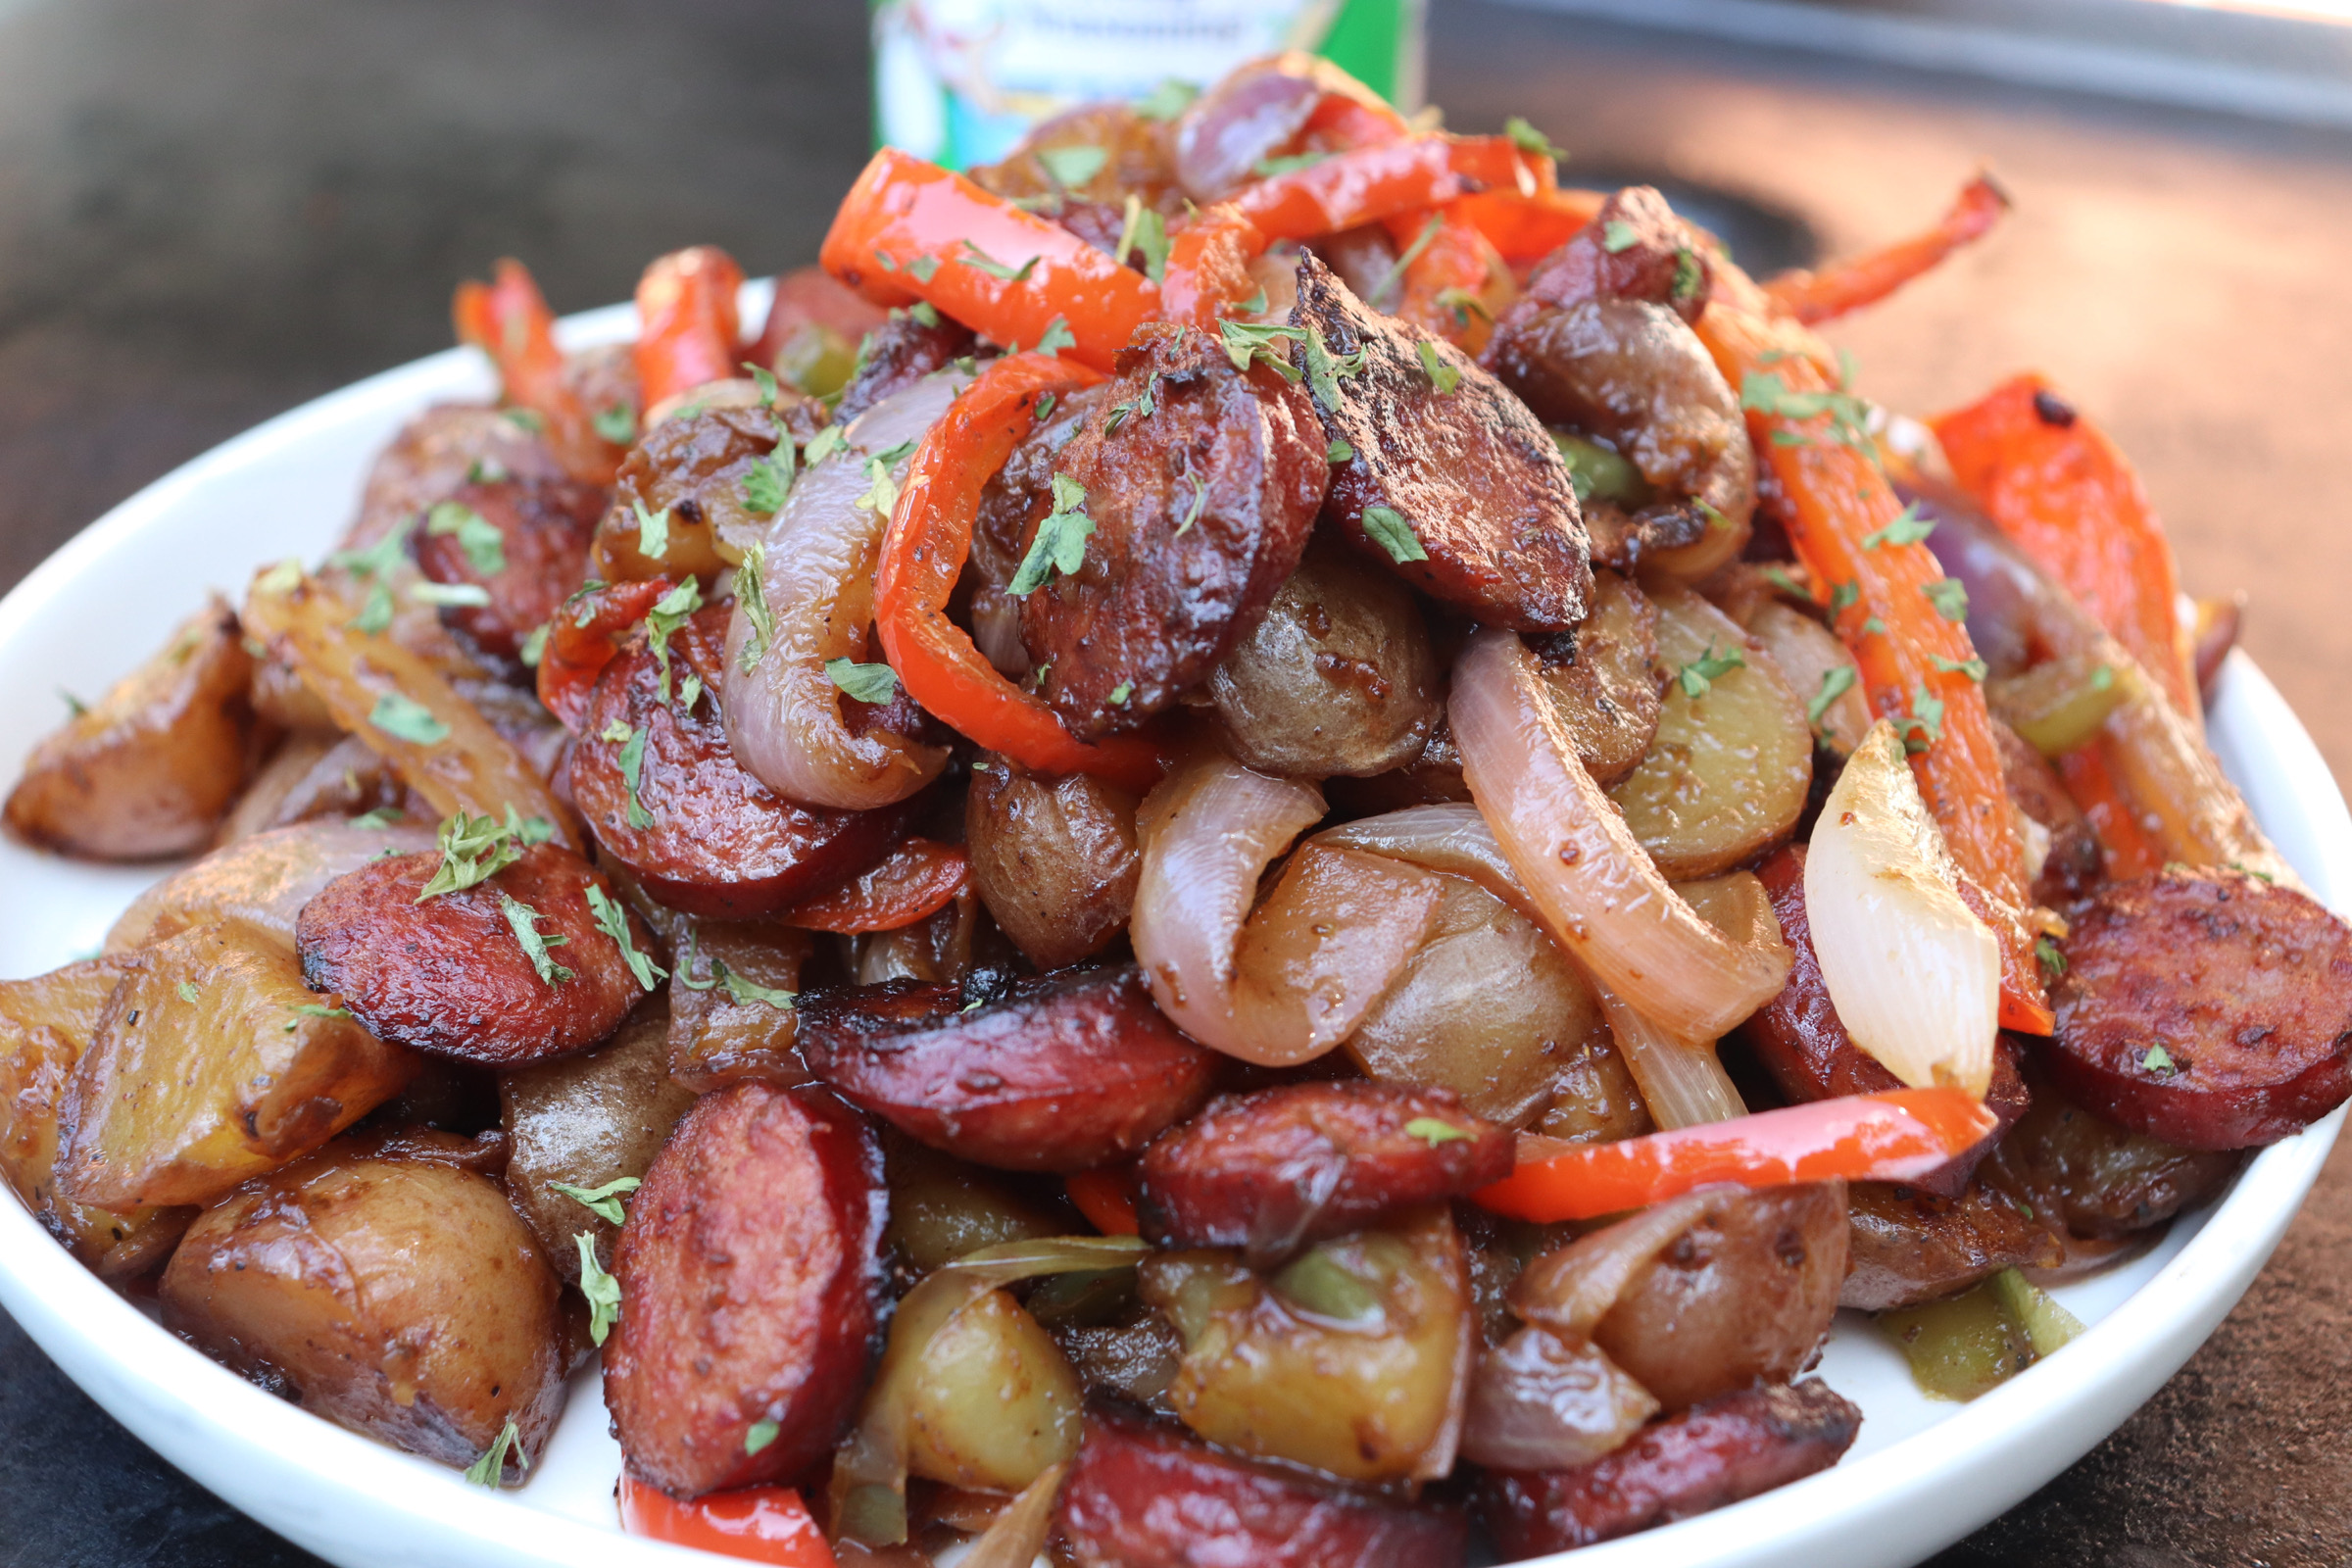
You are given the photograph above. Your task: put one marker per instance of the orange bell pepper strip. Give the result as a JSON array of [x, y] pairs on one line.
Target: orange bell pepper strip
[[2058, 486], [507, 318], [1369, 183], [1208, 266], [1107, 1197], [910, 230], [1889, 602], [687, 322], [1454, 283], [1892, 1137], [929, 539], [914, 881], [758, 1523], [2124, 844], [583, 638], [1850, 286], [1526, 228]]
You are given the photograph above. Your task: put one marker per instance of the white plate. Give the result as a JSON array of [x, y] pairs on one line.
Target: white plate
[[1922, 1475]]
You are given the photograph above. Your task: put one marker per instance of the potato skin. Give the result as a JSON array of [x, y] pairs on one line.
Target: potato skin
[[448, 976], [586, 1120], [402, 1297], [152, 766], [204, 1071], [262, 882], [1608, 694], [2080, 1171], [1053, 858], [751, 1283]]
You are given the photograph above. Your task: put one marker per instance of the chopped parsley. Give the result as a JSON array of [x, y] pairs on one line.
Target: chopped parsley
[[1925, 725], [1044, 406], [383, 816], [1287, 164], [1973, 668], [523, 921], [759, 1434], [921, 314], [2051, 958], [1843, 596], [1908, 528], [881, 496], [1254, 304], [1060, 542], [1618, 235], [312, 1010], [1835, 682], [1192, 514], [404, 719], [1686, 276], [923, 268], [1338, 452], [613, 921], [1325, 371], [616, 424], [1073, 166], [653, 531], [490, 1470], [484, 546], [670, 612], [1120, 694], [1249, 341], [632, 769], [464, 595], [375, 611], [188, 990], [739, 990], [603, 1201], [1768, 392], [283, 578], [1950, 596], [823, 445], [602, 1290], [1389, 529], [1390, 279], [1434, 1132], [1057, 337], [1167, 100], [981, 261], [1528, 139], [750, 597], [1145, 234], [765, 380], [475, 849], [2159, 1061], [1445, 377], [1698, 677], [378, 558], [874, 684]]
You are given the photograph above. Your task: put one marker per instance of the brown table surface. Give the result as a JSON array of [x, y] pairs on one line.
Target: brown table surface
[[210, 210]]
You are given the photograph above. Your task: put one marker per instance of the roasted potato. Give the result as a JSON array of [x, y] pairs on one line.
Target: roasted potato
[[401, 1296], [311, 776], [1809, 658], [212, 1062], [586, 1122], [1606, 693], [993, 1400], [150, 768], [1053, 858], [942, 1207], [1594, 1097], [259, 883], [1731, 767], [719, 1033]]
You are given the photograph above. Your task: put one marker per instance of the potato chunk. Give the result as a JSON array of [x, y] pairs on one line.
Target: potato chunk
[[212, 1062], [260, 882], [402, 1297], [152, 766]]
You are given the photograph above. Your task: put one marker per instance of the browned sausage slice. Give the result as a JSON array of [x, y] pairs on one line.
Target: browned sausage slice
[[1202, 483], [896, 355], [750, 1289], [524, 542], [1062, 1072], [1470, 472], [1910, 1246], [452, 976], [1710, 1455], [702, 834], [1633, 249], [2208, 1008], [1143, 1495], [1273, 1170]]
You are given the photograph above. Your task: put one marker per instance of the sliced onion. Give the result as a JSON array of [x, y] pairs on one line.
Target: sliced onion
[[1540, 1402], [1289, 983], [816, 564], [1016, 1537], [1915, 977], [1601, 896], [1570, 1288], [1682, 1081]]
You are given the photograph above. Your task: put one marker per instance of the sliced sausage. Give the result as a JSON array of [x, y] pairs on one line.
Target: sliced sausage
[[690, 467], [2208, 1008], [750, 1289], [1710, 1455], [899, 352], [1633, 249], [1053, 858], [1202, 483], [1800, 1039], [1910, 1246], [446, 446], [1060, 1072], [532, 555], [2093, 1178], [720, 843], [1147, 1495], [1470, 472], [1273, 1170], [450, 975]]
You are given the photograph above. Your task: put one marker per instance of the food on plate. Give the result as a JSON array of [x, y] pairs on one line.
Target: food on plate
[[1263, 842]]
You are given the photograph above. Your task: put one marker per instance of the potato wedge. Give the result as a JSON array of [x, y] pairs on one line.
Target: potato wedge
[[315, 775], [1810, 659], [260, 882], [45, 1025], [586, 1122], [212, 1063], [1734, 756], [402, 1297], [150, 768], [1607, 694], [942, 1207], [993, 1400]]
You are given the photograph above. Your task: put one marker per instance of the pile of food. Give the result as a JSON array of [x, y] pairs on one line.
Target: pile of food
[[1264, 842]]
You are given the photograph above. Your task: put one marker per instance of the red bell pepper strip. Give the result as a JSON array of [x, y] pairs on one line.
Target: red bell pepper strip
[[1526, 228], [1450, 280], [1107, 1197], [1891, 1136], [914, 882], [2059, 487], [1370, 184], [687, 322], [1914, 652], [583, 639], [2124, 844], [929, 539], [910, 230], [1208, 266], [1827, 294], [507, 320], [758, 1523]]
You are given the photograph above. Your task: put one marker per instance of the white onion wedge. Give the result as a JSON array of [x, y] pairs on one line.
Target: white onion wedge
[[1601, 897], [1916, 976]]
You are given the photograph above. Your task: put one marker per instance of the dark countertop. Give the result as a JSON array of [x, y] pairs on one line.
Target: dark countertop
[[215, 208]]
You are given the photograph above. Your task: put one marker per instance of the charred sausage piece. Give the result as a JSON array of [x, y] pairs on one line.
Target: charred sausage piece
[[524, 543], [1060, 1072], [2071, 866], [899, 352], [1053, 858], [1148, 1495], [1800, 1039], [452, 975], [1273, 1170], [1462, 493], [1201, 482], [2093, 1178], [2208, 1008], [1710, 1455], [1634, 249], [689, 470], [702, 834], [1910, 1246], [750, 1285], [446, 446]]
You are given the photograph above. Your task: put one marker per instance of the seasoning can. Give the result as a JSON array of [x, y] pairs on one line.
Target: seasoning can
[[960, 82]]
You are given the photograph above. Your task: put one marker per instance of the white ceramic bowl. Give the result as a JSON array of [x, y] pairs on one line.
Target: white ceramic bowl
[[1922, 1475]]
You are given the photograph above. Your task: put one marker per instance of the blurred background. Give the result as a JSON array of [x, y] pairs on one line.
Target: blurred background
[[211, 210]]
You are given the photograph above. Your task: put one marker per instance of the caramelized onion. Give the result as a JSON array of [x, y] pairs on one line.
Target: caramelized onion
[[1599, 895], [1291, 982], [784, 715]]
